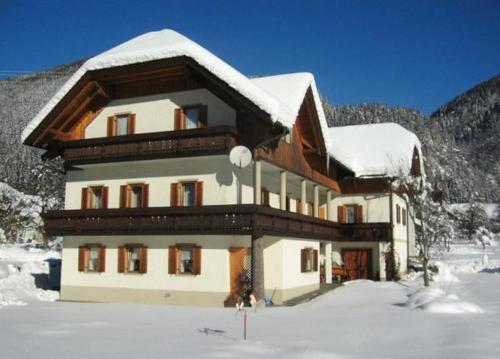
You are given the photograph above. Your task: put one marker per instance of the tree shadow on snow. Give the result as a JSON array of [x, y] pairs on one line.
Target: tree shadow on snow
[[490, 270], [217, 332]]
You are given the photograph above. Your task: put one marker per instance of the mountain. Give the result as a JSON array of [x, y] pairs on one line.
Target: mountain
[[20, 99], [460, 140]]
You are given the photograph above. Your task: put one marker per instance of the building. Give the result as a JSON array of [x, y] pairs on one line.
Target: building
[[154, 210]]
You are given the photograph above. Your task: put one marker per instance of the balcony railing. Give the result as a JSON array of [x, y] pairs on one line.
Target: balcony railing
[[181, 143], [361, 232], [208, 220]]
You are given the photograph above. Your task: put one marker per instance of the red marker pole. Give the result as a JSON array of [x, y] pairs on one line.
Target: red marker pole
[[244, 325]]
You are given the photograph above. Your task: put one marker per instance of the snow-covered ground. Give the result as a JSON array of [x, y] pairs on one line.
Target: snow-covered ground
[[458, 318]]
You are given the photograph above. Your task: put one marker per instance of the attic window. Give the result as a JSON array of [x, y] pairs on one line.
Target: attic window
[[189, 117], [121, 125]]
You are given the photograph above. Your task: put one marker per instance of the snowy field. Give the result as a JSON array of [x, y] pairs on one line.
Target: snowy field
[[458, 318]]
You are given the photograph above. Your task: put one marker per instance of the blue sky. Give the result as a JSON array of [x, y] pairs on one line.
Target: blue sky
[[409, 53]]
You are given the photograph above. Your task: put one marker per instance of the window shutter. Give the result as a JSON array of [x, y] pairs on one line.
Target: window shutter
[[102, 259], [178, 119], [309, 209], [298, 207], [81, 258], [145, 196], [404, 217], [199, 194], [265, 197], [172, 260], [287, 204], [121, 259], [303, 259], [111, 126], [322, 213], [203, 116], [144, 259], [315, 260], [174, 194], [105, 197], [359, 214], [85, 198], [197, 260], [340, 214], [123, 196], [398, 214], [131, 124]]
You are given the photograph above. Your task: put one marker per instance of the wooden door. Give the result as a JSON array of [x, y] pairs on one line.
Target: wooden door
[[357, 263], [238, 263]]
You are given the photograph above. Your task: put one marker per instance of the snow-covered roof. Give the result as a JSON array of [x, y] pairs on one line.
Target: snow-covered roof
[[382, 149], [270, 94]]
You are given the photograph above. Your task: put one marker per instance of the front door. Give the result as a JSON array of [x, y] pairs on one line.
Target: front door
[[239, 271], [357, 263]]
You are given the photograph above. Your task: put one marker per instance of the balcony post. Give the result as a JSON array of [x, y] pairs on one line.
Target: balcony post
[[258, 266], [257, 185], [329, 209], [283, 190], [315, 201], [303, 196], [328, 262]]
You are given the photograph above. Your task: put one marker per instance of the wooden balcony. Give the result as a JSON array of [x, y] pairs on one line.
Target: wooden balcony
[[210, 220], [181, 143]]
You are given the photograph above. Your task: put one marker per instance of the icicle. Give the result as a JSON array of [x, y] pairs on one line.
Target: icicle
[[327, 162]]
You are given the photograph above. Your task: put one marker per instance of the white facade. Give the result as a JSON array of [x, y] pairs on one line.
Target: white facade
[[156, 113]]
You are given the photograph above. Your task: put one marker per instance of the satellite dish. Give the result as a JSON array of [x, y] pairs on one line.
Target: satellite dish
[[240, 156]]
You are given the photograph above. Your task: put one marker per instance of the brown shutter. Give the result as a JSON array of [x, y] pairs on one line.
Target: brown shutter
[[81, 258], [172, 260], [198, 194], [102, 259], [322, 213], [398, 214], [178, 119], [315, 260], [85, 198], [298, 207], [145, 196], [359, 214], [121, 259], [340, 214], [303, 259], [143, 252], [265, 197], [197, 260], [131, 124], [111, 126], [309, 209], [287, 205], [174, 195], [105, 197], [123, 196], [404, 217], [203, 116]]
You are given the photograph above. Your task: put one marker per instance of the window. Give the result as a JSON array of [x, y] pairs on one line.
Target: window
[[350, 214], [120, 125], [184, 259], [398, 213], [91, 258], [94, 197], [134, 195], [309, 260], [189, 117], [132, 258], [185, 194], [404, 217]]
